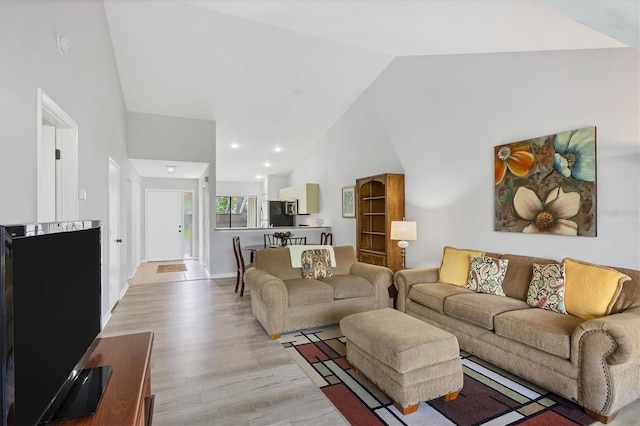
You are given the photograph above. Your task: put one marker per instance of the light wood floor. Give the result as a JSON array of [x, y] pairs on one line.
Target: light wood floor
[[212, 363]]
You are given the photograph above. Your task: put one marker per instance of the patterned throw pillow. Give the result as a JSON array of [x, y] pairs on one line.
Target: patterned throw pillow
[[546, 290], [316, 264], [486, 274]]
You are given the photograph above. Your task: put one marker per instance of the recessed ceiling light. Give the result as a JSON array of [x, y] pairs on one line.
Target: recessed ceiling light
[[258, 176], [171, 169], [234, 145], [278, 149], [267, 164]]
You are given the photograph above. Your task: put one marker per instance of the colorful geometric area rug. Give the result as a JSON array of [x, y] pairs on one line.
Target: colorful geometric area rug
[[490, 396]]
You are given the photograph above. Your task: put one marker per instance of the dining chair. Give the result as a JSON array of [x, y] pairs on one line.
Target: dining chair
[[326, 238], [297, 240], [240, 265], [272, 240]]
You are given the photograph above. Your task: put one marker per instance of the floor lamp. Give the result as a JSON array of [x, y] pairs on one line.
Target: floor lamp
[[403, 231]]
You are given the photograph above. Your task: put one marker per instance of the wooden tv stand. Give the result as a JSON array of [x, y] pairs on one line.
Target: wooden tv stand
[[127, 399]]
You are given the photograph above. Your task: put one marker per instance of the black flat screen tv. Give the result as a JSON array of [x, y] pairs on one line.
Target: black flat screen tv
[[50, 312]]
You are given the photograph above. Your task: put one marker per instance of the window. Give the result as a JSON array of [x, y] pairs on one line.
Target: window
[[235, 212]]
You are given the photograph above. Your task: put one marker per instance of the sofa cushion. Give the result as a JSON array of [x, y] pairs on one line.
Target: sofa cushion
[[304, 292], [454, 268], [480, 309], [541, 329], [316, 264], [348, 286], [591, 290], [433, 295], [486, 274], [546, 290], [630, 295], [518, 277]]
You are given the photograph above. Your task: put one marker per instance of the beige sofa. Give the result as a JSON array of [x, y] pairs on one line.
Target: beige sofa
[[595, 362], [282, 300]]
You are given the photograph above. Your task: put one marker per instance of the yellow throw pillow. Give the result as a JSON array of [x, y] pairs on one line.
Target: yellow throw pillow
[[591, 290], [454, 268]]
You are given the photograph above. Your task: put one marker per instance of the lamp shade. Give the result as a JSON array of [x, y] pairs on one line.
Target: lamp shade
[[404, 230]]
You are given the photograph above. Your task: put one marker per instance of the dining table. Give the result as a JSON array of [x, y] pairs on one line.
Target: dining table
[[252, 249]]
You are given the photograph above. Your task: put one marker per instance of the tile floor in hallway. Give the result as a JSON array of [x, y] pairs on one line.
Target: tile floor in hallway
[[147, 272]]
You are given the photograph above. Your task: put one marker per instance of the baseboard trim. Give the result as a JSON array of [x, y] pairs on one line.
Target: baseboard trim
[[224, 275]]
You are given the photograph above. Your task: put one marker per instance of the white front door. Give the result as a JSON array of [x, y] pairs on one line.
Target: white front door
[[164, 225], [114, 233]]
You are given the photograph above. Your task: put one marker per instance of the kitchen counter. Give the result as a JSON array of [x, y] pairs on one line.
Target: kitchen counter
[[278, 228]]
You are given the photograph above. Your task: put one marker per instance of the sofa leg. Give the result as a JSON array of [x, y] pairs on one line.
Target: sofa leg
[[275, 336], [600, 417], [451, 396], [406, 410]]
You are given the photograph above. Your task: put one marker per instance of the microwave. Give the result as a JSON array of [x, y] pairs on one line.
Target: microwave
[[291, 207]]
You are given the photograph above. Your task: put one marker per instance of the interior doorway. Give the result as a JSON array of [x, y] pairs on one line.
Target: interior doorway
[[57, 163], [115, 239]]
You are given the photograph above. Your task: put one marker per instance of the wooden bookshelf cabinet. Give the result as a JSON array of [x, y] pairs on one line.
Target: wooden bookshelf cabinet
[[379, 201]]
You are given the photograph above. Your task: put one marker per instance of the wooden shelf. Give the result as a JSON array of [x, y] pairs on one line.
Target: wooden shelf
[[379, 201], [373, 251]]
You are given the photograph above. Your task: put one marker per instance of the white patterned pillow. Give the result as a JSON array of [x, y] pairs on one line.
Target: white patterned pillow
[[486, 274], [546, 290], [316, 264]]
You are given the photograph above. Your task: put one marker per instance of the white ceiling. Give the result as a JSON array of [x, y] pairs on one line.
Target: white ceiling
[[168, 169], [278, 74]]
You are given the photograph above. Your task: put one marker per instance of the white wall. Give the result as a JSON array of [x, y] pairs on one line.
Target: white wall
[[356, 146], [441, 116], [84, 82], [271, 185], [159, 137], [249, 189], [134, 222]]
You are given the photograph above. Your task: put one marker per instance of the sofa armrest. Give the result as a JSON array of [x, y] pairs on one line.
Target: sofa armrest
[[379, 276], [607, 353], [269, 300], [267, 287], [405, 278], [623, 330]]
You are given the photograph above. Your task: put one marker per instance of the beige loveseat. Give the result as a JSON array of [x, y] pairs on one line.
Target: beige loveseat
[[282, 300], [594, 362]]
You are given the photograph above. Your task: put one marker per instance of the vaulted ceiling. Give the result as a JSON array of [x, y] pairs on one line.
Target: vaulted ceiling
[[276, 75]]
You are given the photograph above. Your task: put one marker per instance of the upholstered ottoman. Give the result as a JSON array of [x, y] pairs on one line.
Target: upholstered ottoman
[[410, 360]]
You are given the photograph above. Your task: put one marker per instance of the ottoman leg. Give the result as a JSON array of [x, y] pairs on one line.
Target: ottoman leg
[[451, 396], [406, 410]]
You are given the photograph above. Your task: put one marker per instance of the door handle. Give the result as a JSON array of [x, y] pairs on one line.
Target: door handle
[[119, 240]]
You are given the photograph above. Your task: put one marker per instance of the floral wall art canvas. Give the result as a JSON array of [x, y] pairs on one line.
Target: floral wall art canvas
[[547, 185]]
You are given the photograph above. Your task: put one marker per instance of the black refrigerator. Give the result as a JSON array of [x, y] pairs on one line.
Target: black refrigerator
[[272, 213]]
